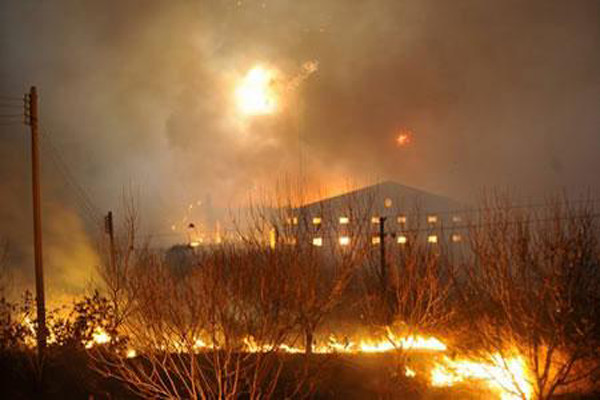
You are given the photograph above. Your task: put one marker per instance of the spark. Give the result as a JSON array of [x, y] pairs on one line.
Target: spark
[[404, 138]]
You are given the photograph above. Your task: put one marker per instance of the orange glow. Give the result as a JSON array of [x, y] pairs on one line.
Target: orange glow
[[99, 336], [333, 345], [256, 94], [404, 138], [506, 376]]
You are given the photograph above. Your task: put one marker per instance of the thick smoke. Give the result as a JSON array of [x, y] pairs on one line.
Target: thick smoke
[[497, 93]]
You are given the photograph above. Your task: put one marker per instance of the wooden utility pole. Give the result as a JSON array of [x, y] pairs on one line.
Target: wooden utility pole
[[32, 112], [382, 265], [385, 285]]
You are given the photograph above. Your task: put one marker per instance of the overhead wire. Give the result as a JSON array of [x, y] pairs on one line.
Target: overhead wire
[[92, 212], [8, 105]]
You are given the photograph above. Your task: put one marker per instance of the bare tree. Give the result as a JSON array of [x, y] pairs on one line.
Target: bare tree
[[319, 256], [212, 333], [120, 260], [532, 289], [416, 297]]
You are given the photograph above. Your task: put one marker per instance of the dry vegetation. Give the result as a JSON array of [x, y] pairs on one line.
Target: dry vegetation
[[531, 286], [524, 283]]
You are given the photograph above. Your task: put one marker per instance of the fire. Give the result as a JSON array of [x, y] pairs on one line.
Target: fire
[[256, 95], [404, 138], [99, 336], [507, 376], [390, 343]]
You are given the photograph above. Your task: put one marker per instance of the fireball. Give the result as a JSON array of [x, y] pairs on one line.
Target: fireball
[[404, 138], [256, 93]]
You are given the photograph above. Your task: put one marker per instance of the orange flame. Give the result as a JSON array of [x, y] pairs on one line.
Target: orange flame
[[508, 377]]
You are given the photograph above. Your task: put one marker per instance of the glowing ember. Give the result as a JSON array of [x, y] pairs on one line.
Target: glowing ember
[[99, 336], [404, 138], [506, 376], [256, 95]]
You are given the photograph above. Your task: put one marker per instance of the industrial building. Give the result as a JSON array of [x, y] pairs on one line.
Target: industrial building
[[386, 210]]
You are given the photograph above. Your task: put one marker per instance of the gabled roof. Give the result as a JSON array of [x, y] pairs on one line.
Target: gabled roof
[[402, 197]]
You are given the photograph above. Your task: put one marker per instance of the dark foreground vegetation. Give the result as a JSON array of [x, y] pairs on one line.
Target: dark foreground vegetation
[[250, 319]]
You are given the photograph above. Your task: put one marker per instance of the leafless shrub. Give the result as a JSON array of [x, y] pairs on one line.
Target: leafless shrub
[[532, 288], [121, 257], [318, 256], [410, 287], [213, 333]]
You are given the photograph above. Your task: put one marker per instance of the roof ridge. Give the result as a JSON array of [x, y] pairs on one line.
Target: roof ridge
[[388, 183]]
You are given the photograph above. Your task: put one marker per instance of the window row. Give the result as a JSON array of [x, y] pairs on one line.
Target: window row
[[375, 240], [400, 219]]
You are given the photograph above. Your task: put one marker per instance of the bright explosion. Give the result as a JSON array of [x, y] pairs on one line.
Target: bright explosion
[[256, 94]]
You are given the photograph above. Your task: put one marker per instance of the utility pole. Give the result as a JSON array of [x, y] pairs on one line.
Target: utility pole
[[109, 229], [32, 119], [385, 286], [382, 266]]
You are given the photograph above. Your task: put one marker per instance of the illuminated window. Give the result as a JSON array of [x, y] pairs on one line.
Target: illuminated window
[[194, 243], [456, 237], [387, 203], [344, 240], [292, 221], [432, 219], [344, 220], [432, 239], [402, 239], [291, 241], [318, 241], [456, 219], [374, 220], [401, 219], [316, 220], [375, 240]]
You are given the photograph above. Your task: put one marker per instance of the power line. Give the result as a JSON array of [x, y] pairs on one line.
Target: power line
[[84, 200]]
